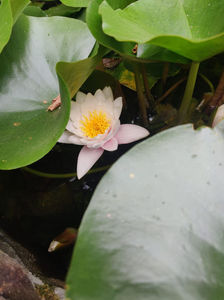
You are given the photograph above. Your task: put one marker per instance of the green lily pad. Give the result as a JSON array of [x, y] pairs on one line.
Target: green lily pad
[[94, 23], [29, 83], [146, 53], [9, 12], [62, 10], [152, 52], [194, 29], [34, 11], [76, 3], [159, 234]]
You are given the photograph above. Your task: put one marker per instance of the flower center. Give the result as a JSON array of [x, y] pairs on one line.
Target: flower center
[[96, 123]]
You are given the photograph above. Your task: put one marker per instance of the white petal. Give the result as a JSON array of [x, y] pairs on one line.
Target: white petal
[[118, 107], [90, 104], [80, 97], [86, 159], [75, 113], [69, 138], [100, 96], [70, 126], [219, 116], [108, 93]]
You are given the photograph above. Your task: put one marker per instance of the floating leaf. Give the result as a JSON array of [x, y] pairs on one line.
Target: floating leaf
[[62, 10], [76, 3], [9, 12], [34, 11], [95, 25], [28, 84], [154, 227], [194, 29], [152, 52], [94, 22]]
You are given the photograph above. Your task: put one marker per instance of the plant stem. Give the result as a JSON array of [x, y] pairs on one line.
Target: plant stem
[[218, 97], [165, 73], [150, 98], [172, 88], [64, 175], [188, 93], [141, 97], [209, 83]]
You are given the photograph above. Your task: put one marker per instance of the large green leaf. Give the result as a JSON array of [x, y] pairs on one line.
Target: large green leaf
[[152, 52], [154, 229], [148, 52], [194, 29], [28, 83], [95, 25], [9, 12]]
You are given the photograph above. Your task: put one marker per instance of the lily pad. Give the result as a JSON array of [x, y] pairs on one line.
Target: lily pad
[[76, 3], [94, 22], [153, 52], [29, 83], [9, 12], [34, 11], [194, 29], [62, 10], [159, 234]]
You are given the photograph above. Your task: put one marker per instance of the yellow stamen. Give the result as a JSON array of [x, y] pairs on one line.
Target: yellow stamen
[[96, 123]]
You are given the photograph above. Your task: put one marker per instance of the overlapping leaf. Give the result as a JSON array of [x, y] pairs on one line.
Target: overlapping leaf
[[9, 12], [76, 3], [94, 22], [28, 84], [154, 227], [194, 29]]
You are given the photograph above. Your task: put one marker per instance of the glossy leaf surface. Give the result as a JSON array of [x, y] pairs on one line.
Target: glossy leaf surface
[[95, 25], [154, 227], [9, 12], [94, 22], [28, 84], [194, 29], [76, 3]]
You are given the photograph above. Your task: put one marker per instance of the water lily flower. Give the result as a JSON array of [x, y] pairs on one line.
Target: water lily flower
[[94, 123], [219, 116]]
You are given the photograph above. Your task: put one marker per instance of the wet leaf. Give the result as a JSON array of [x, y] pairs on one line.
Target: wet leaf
[[9, 12], [76, 3], [159, 234], [191, 29], [148, 52], [29, 83], [62, 10], [34, 11]]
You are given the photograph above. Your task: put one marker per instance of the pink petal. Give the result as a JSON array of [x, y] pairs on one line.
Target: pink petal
[[111, 145], [86, 159], [129, 133]]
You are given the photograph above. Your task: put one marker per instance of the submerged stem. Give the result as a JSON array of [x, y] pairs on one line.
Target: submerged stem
[[209, 83], [64, 175], [150, 98], [188, 93], [172, 88], [141, 97], [165, 73]]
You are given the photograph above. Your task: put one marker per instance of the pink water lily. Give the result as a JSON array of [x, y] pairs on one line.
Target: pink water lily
[[94, 123]]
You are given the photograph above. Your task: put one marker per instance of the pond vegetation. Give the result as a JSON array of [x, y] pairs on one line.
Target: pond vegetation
[[78, 78]]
